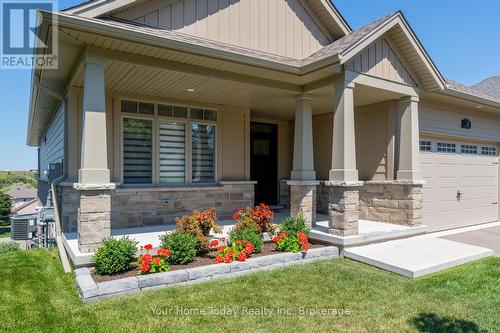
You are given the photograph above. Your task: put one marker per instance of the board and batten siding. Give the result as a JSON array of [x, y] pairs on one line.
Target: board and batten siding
[[52, 144], [371, 141], [439, 120], [379, 59], [279, 27]]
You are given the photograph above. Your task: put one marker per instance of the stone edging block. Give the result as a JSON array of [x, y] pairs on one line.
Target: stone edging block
[[90, 290]]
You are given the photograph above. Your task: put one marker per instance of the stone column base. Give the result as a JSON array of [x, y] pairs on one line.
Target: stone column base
[[343, 208], [93, 219], [303, 199]]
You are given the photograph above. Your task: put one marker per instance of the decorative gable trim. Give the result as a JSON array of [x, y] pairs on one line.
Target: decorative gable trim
[[380, 59]]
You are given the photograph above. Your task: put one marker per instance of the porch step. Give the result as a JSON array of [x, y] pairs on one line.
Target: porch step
[[370, 232], [417, 256]]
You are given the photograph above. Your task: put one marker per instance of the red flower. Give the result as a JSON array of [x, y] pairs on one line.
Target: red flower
[[249, 247], [146, 259], [148, 247], [219, 259], [144, 268], [157, 261], [228, 259], [242, 256], [221, 248], [214, 243], [230, 253]]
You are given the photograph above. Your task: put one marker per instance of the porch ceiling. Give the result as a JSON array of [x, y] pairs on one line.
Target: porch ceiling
[[143, 82]]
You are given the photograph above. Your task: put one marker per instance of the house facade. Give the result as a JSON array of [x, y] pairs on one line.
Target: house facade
[[162, 107]]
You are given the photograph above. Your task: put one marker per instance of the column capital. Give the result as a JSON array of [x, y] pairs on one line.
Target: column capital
[[300, 97], [342, 83], [407, 99]]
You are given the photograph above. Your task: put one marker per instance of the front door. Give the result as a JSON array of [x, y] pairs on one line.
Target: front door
[[264, 162]]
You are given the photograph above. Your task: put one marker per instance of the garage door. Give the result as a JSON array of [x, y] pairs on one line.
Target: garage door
[[461, 183]]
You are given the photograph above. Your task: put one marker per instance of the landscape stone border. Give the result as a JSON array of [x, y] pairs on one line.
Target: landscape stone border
[[92, 291]]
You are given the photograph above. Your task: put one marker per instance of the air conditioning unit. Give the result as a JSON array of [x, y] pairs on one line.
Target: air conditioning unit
[[23, 227]]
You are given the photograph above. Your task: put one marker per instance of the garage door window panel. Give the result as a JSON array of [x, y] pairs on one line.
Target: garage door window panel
[[468, 149], [490, 151], [446, 147], [425, 146]]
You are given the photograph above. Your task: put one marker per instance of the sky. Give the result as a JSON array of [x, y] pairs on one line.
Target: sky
[[461, 36]]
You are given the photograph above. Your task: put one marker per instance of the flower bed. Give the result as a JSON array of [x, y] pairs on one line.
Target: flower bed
[[188, 254], [267, 250], [94, 289]]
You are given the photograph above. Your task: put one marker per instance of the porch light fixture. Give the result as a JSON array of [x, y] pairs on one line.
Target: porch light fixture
[[479, 106], [190, 90]]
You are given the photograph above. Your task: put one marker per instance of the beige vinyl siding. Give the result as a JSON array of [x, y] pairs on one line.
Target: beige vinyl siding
[[380, 59], [233, 130], [52, 145], [279, 27], [447, 121], [371, 141]]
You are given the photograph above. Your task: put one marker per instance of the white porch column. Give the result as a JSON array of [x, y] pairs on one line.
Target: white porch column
[[303, 183], [94, 155], [95, 189], [409, 154], [343, 184], [344, 143]]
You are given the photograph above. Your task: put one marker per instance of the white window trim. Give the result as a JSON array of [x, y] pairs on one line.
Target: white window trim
[[156, 119]]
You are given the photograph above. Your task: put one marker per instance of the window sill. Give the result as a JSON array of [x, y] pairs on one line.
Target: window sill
[[156, 188]]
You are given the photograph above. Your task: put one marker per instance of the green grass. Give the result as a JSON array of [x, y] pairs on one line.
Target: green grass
[[4, 232], [35, 296]]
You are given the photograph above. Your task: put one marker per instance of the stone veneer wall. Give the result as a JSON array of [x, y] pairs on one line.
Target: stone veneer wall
[[155, 206], [391, 202], [284, 193], [68, 205], [322, 197]]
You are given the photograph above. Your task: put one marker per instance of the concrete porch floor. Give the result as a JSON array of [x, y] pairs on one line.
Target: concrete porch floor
[[369, 232]]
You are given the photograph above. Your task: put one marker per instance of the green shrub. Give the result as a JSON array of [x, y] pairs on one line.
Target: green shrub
[[115, 255], [251, 234], [8, 247], [294, 224], [182, 247], [5, 207]]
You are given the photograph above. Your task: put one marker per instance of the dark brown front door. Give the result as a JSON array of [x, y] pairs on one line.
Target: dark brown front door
[[264, 162]]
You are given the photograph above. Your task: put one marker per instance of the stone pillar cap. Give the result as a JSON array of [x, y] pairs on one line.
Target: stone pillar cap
[[302, 182], [94, 187], [343, 183]]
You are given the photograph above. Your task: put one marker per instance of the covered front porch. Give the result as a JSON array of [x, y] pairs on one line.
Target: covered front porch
[[149, 155], [155, 132]]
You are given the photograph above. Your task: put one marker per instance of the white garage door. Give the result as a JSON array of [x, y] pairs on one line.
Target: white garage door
[[461, 183]]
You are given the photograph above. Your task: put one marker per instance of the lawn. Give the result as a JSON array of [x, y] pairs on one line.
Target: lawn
[[36, 296], [4, 232]]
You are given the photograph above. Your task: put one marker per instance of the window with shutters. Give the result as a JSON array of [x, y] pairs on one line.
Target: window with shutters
[[168, 144]]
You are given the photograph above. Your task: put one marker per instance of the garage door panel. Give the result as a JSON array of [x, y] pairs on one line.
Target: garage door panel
[[475, 176]]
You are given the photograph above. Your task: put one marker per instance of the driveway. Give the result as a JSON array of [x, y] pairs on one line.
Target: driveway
[[489, 238]]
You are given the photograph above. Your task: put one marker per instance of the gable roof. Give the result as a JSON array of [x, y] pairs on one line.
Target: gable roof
[[489, 86], [21, 192], [27, 208], [325, 10], [409, 46]]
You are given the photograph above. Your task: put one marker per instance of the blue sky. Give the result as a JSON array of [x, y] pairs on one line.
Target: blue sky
[[454, 32]]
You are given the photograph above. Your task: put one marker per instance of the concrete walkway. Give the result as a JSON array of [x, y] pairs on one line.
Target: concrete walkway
[[417, 256]]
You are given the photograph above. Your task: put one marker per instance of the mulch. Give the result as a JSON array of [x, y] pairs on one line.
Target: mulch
[[267, 249]]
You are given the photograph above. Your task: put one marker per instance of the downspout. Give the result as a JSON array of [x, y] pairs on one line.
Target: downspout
[[60, 244]]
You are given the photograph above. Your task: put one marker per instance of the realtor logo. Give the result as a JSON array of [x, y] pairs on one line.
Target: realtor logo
[[26, 40]]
